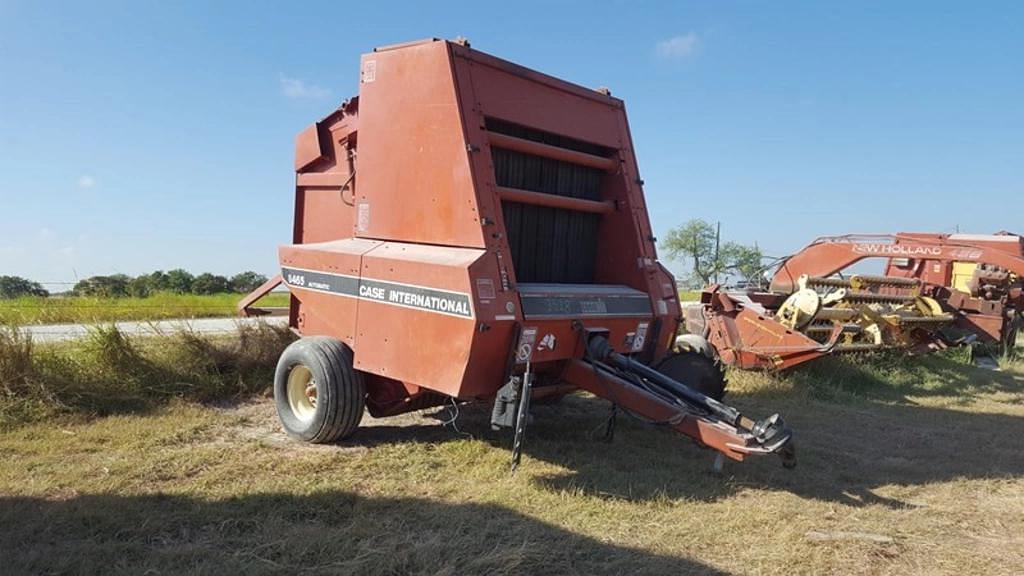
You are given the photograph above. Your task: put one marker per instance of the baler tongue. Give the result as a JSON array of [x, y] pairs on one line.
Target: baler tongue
[[651, 394]]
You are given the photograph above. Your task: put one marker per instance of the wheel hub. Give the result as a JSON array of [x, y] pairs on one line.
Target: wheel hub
[[302, 394]]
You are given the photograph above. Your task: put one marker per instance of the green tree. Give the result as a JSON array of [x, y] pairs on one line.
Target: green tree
[[16, 287], [179, 281], [140, 287], [159, 282], [697, 243], [210, 284], [246, 282], [115, 286], [742, 260]]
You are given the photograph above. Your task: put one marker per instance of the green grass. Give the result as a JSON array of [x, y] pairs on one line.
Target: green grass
[[108, 373], [907, 466], [1013, 362], [689, 295], [59, 310], [889, 376]]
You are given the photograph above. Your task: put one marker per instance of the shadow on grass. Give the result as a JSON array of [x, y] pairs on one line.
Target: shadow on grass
[[847, 450], [321, 533], [858, 425]]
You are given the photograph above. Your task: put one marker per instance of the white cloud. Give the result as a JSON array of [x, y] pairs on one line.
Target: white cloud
[[298, 90], [86, 182], [678, 47]]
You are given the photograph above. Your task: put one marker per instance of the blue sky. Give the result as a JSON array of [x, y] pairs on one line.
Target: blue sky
[[145, 135]]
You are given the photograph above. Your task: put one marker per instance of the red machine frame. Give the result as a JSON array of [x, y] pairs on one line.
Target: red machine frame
[[402, 252], [743, 330]]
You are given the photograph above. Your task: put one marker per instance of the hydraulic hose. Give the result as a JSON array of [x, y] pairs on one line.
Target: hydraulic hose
[[765, 431]]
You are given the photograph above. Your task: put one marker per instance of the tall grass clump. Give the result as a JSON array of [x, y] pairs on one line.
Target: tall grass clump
[[109, 372], [20, 394], [1013, 360], [890, 376]]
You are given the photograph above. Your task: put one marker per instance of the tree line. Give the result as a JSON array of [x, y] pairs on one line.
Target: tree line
[[176, 281], [696, 242]]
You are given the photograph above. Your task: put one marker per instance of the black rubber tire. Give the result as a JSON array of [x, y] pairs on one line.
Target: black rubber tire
[[702, 373], [341, 392]]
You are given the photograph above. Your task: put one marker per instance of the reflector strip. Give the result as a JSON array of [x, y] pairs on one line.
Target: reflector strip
[[411, 296]]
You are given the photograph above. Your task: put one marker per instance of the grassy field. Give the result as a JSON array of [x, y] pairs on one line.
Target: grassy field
[[689, 295], [165, 457], [35, 310]]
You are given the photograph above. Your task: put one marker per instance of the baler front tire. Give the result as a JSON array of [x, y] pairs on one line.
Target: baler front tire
[[320, 396]]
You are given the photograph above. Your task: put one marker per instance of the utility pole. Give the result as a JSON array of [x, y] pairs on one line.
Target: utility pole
[[718, 242], [696, 255]]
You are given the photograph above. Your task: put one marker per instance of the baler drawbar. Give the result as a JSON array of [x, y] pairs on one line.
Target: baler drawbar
[[469, 230], [739, 434]]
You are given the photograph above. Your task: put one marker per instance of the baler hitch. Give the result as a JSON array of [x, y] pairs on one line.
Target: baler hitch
[[771, 435]]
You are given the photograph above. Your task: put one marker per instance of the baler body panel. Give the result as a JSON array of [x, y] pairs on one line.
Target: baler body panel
[[409, 309], [467, 227], [457, 171], [417, 318], [319, 276], [415, 181], [430, 316], [461, 172]]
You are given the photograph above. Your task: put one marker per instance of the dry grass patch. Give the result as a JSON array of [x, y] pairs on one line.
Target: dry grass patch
[[907, 467], [108, 372]]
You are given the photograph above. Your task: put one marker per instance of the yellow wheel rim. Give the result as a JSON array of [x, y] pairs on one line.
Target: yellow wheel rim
[[302, 393]]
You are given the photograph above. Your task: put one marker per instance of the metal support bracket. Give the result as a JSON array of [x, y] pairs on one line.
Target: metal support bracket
[[609, 429], [503, 414], [522, 416]]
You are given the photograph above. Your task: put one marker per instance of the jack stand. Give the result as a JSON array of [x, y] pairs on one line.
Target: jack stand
[[718, 464], [609, 430], [522, 415]]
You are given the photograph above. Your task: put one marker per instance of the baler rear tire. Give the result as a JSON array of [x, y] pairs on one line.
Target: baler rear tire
[[698, 371], [334, 411]]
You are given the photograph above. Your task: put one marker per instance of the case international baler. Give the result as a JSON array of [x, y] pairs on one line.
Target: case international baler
[[467, 229]]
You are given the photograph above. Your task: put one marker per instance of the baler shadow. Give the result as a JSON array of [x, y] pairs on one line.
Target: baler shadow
[[846, 452], [326, 532], [851, 442], [849, 452]]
